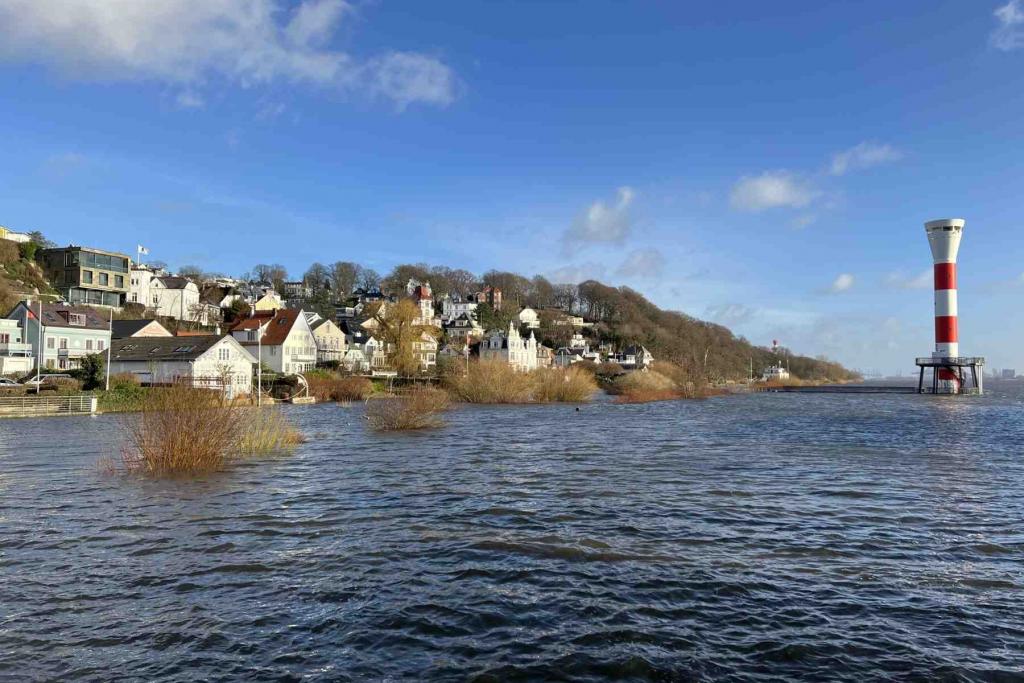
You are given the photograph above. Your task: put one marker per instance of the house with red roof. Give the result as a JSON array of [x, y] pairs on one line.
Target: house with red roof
[[281, 339]]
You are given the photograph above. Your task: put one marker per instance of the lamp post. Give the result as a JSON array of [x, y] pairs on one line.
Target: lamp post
[[109, 344]]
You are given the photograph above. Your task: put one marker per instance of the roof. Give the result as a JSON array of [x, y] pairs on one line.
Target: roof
[[148, 349], [318, 324], [421, 292], [129, 328], [174, 282], [277, 327], [56, 315]]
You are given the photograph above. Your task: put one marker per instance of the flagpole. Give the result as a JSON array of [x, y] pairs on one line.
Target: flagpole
[[39, 328], [110, 342]]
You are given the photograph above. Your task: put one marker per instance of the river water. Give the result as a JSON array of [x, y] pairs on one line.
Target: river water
[[807, 537]]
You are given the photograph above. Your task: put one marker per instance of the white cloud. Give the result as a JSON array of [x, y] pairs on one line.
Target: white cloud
[[842, 283], [574, 274], [924, 280], [803, 221], [864, 155], [772, 189], [604, 222], [730, 315], [642, 263], [189, 100], [187, 43], [1009, 34]]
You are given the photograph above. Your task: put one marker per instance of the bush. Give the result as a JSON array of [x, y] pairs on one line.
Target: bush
[[640, 387], [182, 430], [334, 388], [572, 385], [124, 396], [420, 408], [28, 250], [491, 382], [91, 371]]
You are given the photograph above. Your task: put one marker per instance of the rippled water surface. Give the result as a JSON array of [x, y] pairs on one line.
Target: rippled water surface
[[810, 537]]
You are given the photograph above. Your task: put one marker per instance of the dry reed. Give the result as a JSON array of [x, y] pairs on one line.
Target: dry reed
[[334, 388], [491, 382], [182, 430], [419, 408], [573, 385]]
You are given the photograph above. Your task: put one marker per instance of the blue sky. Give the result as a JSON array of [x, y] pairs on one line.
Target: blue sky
[[765, 165]]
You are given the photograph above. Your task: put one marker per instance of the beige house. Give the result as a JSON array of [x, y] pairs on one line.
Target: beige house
[[121, 329], [270, 301], [330, 340], [425, 350]]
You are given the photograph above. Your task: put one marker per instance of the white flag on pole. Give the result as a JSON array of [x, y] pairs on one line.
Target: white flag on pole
[[143, 251]]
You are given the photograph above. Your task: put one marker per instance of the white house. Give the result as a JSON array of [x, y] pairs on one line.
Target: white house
[[281, 339], [634, 357], [207, 361], [511, 348], [15, 353], [454, 306], [169, 296], [529, 319], [68, 332], [775, 373]]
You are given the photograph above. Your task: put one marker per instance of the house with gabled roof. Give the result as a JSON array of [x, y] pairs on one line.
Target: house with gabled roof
[[282, 339], [510, 347], [203, 361], [463, 328], [330, 340], [121, 329], [68, 332]]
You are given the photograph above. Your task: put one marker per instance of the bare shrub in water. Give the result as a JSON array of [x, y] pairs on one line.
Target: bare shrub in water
[[491, 382], [334, 388], [573, 385], [182, 430], [420, 408], [641, 387], [266, 430]]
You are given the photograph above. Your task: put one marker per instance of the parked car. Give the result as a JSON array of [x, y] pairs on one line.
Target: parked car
[[4, 382], [44, 380]]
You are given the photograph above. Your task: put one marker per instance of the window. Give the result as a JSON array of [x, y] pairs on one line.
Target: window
[[223, 354], [49, 363], [135, 298], [87, 277], [76, 319], [119, 281], [88, 344], [50, 343], [104, 279], [156, 299], [100, 344], [64, 343]]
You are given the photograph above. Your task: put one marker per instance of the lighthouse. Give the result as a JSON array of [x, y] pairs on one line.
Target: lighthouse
[[949, 367]]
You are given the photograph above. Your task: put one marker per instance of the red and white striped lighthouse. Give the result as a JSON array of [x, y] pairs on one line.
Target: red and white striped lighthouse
[[944, 238]]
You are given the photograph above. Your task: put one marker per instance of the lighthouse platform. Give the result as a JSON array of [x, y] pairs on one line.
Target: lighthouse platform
[[967, 371]]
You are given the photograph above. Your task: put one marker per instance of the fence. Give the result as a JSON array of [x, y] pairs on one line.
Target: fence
[[33, 405]]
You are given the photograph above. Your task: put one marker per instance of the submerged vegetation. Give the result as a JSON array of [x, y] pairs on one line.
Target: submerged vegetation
[[182, 430], [663, 382], [573, 385], [419, 408], [491, 382]]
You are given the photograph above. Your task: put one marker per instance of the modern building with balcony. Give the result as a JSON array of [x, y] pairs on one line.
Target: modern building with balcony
[[16, 359], [88, 276], [68, 334]]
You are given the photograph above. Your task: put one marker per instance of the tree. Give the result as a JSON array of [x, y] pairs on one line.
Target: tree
[[91, 371], [367, 278], [317, 277], [38, 238], [398, 329], [513, 287], [344, 275], [237, 310], [445, 280], [541, 293], [396, 280], [491, 319], [194, 273]]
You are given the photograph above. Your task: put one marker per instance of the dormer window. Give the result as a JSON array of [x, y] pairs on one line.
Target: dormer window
[[76, 319]]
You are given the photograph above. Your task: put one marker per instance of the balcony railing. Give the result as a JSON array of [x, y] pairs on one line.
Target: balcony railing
[[955, 361], [15, 349]]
